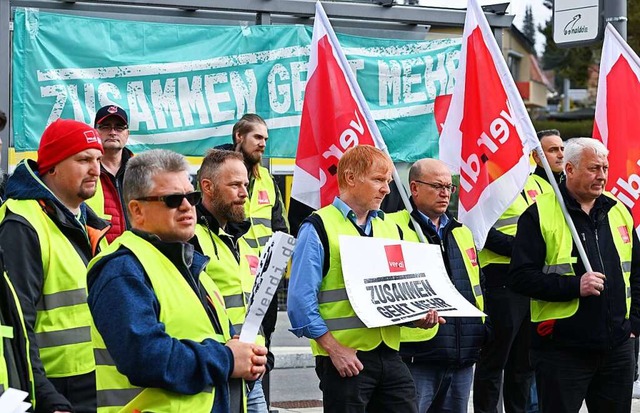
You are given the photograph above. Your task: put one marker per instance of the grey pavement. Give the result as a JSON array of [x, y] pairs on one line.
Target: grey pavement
[[294, 381]]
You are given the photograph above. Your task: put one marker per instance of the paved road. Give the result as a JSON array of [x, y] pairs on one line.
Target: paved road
[[301, 384]]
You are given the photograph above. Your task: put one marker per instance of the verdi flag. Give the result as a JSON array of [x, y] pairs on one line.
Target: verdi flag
[[487, 135], [616, 118], [335, 117]]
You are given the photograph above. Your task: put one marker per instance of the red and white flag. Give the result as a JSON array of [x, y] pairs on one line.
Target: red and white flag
[[616, 119], [335, 117], [488, 135]]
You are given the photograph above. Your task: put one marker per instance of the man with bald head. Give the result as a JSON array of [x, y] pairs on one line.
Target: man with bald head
[[441, 359]]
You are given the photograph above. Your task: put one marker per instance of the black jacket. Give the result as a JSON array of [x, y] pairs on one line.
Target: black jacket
[[458, 342], [600, 321]]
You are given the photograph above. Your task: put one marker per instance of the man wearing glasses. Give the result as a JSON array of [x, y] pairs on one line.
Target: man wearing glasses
[[164, 340], [112, 124], [441, 359]]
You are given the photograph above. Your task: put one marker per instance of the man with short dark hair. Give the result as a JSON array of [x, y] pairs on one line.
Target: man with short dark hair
[[165, 342], [48, 236], [553, 148], [219, 235], [582, 320], [112, 124]]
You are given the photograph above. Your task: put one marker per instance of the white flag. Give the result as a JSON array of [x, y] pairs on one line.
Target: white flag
[[488, 135]]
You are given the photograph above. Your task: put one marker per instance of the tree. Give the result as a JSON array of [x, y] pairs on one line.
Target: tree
[[572, 63], [633, 25], [528, 26]]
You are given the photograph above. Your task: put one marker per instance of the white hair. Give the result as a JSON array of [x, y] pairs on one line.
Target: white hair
[[573, 149]]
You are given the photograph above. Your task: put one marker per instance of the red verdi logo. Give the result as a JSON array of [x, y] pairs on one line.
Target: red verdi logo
[[395, 258], [471, 253], [624, 234], [263, 198]]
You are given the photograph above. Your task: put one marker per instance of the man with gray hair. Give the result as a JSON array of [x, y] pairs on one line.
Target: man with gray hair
[[582, 321], [164, 341]]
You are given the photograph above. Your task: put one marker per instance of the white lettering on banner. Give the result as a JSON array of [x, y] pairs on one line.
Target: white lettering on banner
[[164, 101], [499, 134], [215, 99], [409, 79], [139, 110], [279, 93], [191, 100], [414, 80], [163, 97], [631, 188]]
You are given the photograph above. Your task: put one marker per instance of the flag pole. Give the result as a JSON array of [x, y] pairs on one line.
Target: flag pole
[[563, 207], [375, 132]]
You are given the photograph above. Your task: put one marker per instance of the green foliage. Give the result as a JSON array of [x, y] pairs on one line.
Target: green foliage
[[572, 129], [528, 26], [633, 25]]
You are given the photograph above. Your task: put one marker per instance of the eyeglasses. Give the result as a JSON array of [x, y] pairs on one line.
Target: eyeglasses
[[174, 200], [438, 187], [117, 128]]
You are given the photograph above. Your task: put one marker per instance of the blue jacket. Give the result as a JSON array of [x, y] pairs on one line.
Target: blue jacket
[[458, 342], [126, 313]]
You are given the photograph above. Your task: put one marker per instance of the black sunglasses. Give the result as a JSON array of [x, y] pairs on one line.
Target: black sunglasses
[[174, 200]]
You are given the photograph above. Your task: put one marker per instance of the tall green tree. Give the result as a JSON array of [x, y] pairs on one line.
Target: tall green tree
[[572, 63], [528, 25]]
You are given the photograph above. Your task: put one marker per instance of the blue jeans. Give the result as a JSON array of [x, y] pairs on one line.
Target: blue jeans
[[441, 389], [256, 402]]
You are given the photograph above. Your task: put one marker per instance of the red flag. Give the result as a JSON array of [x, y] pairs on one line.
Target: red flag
[[334, 118], [616, 118], [487, 135]]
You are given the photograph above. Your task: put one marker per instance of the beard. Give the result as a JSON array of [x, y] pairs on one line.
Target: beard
[[85, 194], [230, 211], [252, 158]]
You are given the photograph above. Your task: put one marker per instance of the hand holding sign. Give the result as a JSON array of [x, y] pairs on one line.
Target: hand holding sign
[[399, 281], [430, 320]]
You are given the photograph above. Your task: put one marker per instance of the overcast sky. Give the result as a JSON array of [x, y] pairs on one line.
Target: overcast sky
[[517, 7]]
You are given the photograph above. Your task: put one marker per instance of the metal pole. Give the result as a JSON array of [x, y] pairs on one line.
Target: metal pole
[[566, 102], [5, 70], [615, 12]]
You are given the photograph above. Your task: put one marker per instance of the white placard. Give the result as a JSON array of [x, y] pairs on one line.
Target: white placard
[[12, 401], [576, 22], [392, 282], [273, 264]]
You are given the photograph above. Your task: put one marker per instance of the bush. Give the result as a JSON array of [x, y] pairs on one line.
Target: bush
[[571, 129]]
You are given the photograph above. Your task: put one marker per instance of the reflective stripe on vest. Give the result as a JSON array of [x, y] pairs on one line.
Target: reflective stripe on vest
[[258, 208], [464, 241], [184, 318], [63, 318], [508, 222], [559, 246], [339, 316], [4, 333], [233, 278]]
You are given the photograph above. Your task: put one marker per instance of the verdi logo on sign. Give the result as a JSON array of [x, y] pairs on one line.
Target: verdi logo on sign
[[576, 22]]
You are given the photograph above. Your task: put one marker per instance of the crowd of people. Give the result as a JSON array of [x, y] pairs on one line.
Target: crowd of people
[[125, 285]]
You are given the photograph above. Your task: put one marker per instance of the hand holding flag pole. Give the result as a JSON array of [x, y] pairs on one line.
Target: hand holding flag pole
[[488, 134]]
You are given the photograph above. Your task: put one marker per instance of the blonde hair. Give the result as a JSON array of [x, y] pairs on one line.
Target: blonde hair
[[359, 161]]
